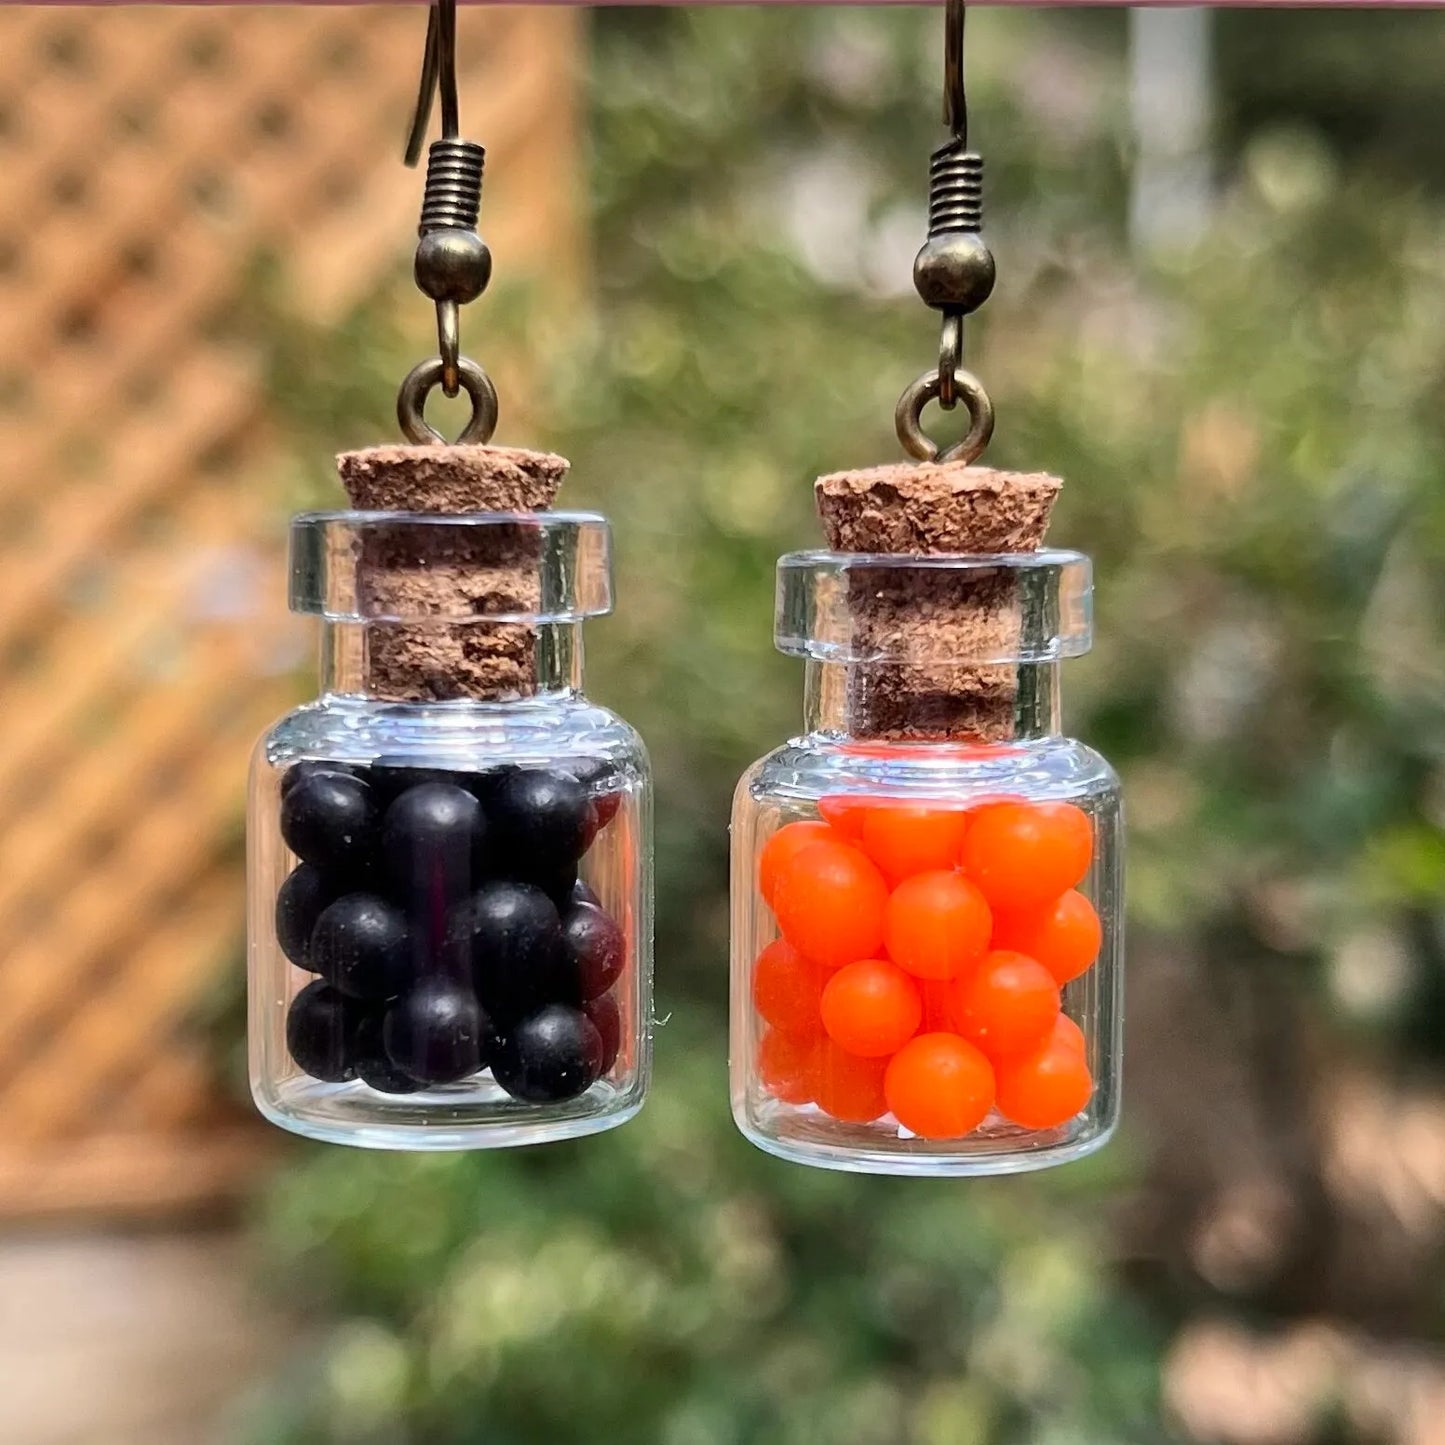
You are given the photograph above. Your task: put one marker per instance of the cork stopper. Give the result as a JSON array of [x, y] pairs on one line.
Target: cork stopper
[[451, 479], [927, 508], [446, 573], [949, 619]]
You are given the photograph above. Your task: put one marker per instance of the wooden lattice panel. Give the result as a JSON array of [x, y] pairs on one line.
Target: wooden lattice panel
[[148, 158]]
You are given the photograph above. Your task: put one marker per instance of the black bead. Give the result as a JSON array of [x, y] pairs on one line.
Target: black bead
[[592, 773], [483, 786], [433, 841], [550, 1055], [330, 819], [360, 944], [558, 885], [513, 927], [606, 1018], [597, 947], [437, 1033], [604, 787], [391, 780], [299, 771], [319, 1028], [373, 1067], [299, 903], [514, 936], [540, 820]]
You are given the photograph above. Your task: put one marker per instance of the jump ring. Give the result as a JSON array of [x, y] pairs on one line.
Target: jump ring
[[411, 402], [907, 417]]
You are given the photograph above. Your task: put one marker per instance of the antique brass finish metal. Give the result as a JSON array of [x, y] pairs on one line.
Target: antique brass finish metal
[[954, 271], [908, 415], [452, 265], [422, 378]]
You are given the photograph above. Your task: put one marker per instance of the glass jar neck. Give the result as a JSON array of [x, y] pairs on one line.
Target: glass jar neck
[[1000, 702], [347, 649]]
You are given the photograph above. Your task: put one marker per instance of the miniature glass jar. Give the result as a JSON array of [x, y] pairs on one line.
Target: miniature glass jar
[[450, 930], [926, 886]]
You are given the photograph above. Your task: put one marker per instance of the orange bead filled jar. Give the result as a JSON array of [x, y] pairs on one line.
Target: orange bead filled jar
[[926, 929]]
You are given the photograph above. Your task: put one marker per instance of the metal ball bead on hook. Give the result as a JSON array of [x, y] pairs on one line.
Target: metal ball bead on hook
[[954, 271], [452, 265]]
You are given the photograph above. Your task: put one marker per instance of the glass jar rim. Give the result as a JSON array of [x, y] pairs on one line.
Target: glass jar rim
[[852, 607], [542, 567]]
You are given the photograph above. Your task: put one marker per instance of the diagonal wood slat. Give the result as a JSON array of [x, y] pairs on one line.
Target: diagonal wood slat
[[113, 901], [49, 707], [108, 1042], [103, 787]]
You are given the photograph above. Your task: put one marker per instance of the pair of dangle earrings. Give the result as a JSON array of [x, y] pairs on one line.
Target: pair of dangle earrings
[[450, 850]]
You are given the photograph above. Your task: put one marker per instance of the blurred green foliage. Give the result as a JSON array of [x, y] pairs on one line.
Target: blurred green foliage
[[1251, 431]]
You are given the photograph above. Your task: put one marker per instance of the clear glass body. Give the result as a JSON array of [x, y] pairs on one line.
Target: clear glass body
[[960, 898], [450, 902]]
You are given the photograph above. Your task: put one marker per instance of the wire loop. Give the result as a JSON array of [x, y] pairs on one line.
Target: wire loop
[[908, 415], [422, 378]]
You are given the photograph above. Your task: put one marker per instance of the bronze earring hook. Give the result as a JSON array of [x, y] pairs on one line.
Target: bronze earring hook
[[954, 271], [438, 72], [453, 264], [955, 96]]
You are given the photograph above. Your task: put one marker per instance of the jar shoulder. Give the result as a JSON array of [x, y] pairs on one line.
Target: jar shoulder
[[819, 765], [536, 730]]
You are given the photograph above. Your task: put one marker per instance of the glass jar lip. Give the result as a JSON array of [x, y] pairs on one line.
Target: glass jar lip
[[543, 521], [1044, 559], [401, 567], [997, 608]]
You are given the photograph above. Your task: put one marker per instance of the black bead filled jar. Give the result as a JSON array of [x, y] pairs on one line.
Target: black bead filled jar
[[450, 895]]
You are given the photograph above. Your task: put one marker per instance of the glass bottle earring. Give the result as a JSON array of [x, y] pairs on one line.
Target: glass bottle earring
[[927, 884], [450, 849]]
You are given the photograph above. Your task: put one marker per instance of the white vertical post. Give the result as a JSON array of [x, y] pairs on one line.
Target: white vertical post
[[1170, 108]]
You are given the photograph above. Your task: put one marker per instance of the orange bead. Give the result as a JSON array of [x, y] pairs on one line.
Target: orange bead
[[994, 800], [936, 924], [1064, 935], [787, 988], [1007, 1005], [939, 1086], [871, 1007], [782, 848], [908, 838], [848, 1087], [937, 1010], [1045, 1088], [829, 904], [1021, 855], [1066, 1031], [845, 814], [787, 1064]]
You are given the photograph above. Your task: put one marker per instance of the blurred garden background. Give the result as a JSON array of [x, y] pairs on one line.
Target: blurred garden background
[[1221, 318]]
